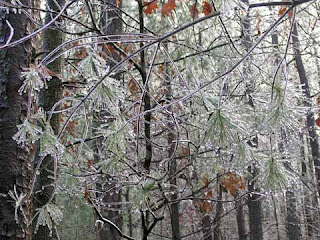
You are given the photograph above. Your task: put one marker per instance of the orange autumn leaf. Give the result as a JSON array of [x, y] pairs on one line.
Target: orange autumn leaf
[[150, 7], [83, 9], [47, 72], [207, 8], [90, 163], [318, 122], [205, 181], [81, 53], [185, 151], [128, 48], [194, 12], [86, 194], [282, 10], [209, 194], [206, 206], [71, 127], [232, 183], [259, 26], [133, 86], [160, 69], [167, 8], [118, 2], [110, 47]]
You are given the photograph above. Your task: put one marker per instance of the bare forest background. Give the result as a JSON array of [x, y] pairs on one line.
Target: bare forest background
[[159, 119]]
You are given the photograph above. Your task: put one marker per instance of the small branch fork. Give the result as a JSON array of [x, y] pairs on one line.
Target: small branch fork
[[147, 229]]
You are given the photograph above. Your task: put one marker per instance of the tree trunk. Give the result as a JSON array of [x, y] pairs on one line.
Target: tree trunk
[[217, 218], [292, 217], [293, 223], [241, 222], [15, 161], [206, 225], [293, 226], [51, 39], [254, 205], [313, 137], [109, 197], [174, 207], [146, 97], [307, 201], [254, 202]]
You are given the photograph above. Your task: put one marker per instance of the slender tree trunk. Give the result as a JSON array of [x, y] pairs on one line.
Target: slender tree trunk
[[292, 218], [51, 39], [275, 214], [107, 193], [130, 223], [146, 97], [293, 226], [293, 223], [254, 201], [207, 229], [313, 137], [241, 222], [219, 210], [307, 201], [15, 161], [254, 205], [174, 207]]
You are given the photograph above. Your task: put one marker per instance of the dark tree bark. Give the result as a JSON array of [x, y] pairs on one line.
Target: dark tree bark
[[146, 97], [292, 218], [254, 201], [108, 196], [207, 229], [174, 207], [293, 226], [241, 222], [307, 200], [313, 137], [51, 39], [219, 210], [15, 161], [293, 223], [254, 205], [310, 122]]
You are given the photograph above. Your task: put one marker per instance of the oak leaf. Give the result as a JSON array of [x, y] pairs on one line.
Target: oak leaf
[[133, 86], [318, 122], [282, 10], [167, 8], [150, 7], [206, 8]]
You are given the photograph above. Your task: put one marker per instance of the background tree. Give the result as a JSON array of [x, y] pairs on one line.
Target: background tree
[[45, 190]]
